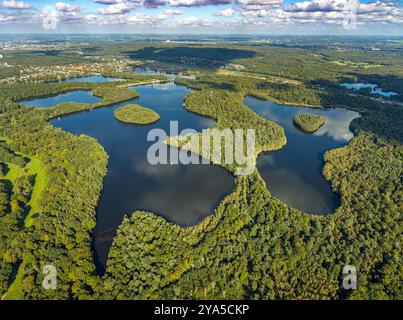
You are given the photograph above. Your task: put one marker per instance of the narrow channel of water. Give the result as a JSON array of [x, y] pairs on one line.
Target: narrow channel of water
[[52, 100]]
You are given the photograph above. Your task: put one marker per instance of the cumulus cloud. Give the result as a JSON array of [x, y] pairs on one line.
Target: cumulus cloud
[[91, 19], [255, 13], [340, 5], [376, 7], [119, 8], [193, 3], [4, 18], [16, 5], [259, 13], [262, 13], [258, 4], [65, 13], [66, 7], [16, 16], [154, 3], [123, 6], [229, 12], [108, 1], [317, 5], [190, 21], [194, 22], [333, 11], [141, 18], [174, 12], [317, 12], [125, 19], [15, 19]]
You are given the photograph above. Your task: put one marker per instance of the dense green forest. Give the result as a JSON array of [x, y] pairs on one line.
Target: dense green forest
[[75, 167], [133, 113], [254, 246], [309, 122]]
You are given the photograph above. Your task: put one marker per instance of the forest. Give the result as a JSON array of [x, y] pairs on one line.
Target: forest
[[309, 122], [133, 113], [253, 246]]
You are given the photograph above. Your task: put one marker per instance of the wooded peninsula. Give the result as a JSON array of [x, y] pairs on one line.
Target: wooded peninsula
[[253, 246]]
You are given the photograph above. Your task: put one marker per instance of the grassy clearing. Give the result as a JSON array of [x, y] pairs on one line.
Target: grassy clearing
[[15, 291], [37, 169], [14, 172], [352, 64]]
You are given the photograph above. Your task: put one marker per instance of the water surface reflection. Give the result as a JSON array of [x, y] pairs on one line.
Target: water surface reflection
[[182, 194], [52, 100], [294, 173]]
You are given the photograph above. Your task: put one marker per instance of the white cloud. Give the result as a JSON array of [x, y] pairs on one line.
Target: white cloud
[[119, 8], [255, 13], [16, 5], [316, 12], [190, 21], [108, 1], [141, 18], [125, 19], [193, 3], [154, 3], [229, 12], [317, 5], [175, 12], [66, 7], [91, 18], [5, 18], [19, 17], [259, 4], [193, 22]]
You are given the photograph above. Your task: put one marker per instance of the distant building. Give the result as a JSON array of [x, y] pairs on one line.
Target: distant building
[[1, 56]]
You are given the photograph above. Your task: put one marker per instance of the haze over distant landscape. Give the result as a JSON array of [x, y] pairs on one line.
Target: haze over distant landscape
[[358, 17]]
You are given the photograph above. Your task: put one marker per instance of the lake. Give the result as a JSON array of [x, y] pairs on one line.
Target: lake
[[52, 100], [183, 194], [372, 86], [94, 79], [294, 173]]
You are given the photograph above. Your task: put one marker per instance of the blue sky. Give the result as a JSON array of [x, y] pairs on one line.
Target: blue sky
[[379, 17]]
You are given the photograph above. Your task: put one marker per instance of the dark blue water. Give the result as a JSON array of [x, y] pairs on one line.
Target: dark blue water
[[51, 101], [95, 79], [183, 194], [294, 173], [374, 88]]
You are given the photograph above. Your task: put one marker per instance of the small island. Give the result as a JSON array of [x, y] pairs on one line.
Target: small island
[[309, 122], [133, 113]]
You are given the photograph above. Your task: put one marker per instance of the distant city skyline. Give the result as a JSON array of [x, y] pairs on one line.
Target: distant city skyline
[[312, 17]]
